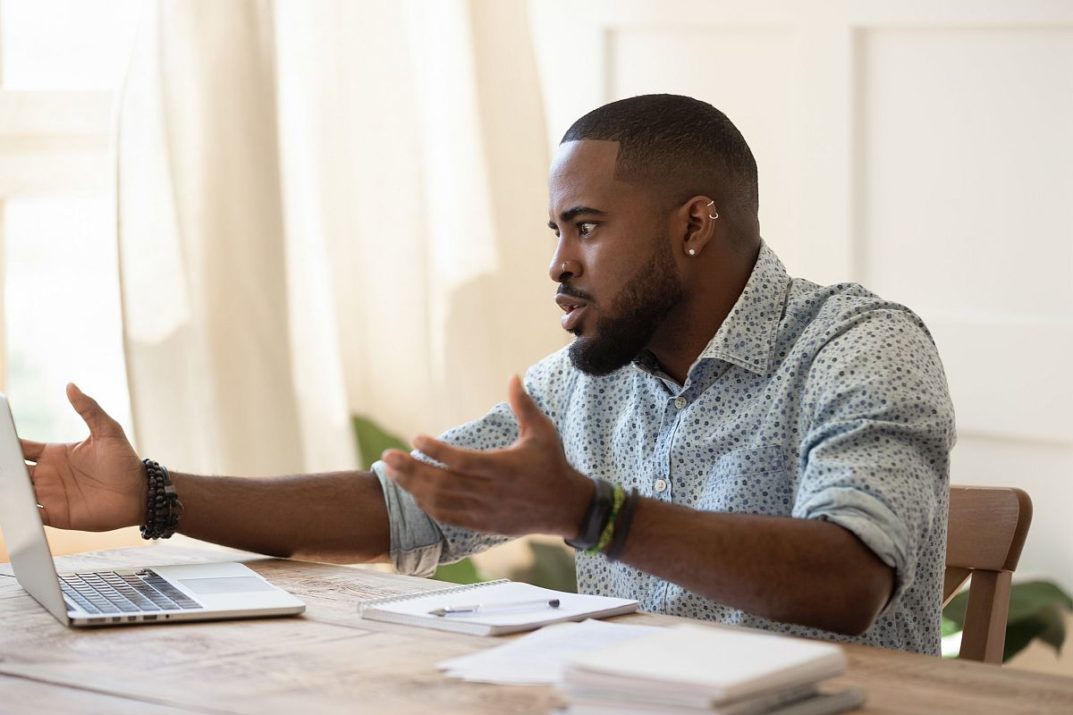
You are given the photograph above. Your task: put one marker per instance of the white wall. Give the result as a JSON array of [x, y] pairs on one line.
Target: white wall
[[924, 149]]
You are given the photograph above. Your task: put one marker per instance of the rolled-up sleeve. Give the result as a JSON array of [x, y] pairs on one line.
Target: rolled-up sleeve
[[418, 542], [416, 539], [877, 435]]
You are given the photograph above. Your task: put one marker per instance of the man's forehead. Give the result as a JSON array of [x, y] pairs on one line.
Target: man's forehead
[[582, 171], [588, 157]]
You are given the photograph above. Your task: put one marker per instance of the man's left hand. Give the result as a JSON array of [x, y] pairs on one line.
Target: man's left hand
[[526, 488]]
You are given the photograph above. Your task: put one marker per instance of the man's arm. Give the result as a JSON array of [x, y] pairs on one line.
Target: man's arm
[[99, 484], [803, 571], [339, 516]]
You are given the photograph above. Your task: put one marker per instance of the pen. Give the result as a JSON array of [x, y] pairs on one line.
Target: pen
[[485, 607]]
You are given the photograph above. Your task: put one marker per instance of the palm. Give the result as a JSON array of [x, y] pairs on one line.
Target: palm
[[92, 485]]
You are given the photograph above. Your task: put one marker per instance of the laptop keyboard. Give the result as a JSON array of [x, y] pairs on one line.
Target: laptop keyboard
[[113, 592]]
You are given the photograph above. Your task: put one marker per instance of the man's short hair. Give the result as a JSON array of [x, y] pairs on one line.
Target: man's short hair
[[679, 147]]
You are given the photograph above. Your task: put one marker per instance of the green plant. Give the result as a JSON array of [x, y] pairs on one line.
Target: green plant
[[552, 567], [1037, 610]]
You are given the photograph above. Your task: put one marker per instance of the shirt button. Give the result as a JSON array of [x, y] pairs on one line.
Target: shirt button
[[679, 402], [661, 485]]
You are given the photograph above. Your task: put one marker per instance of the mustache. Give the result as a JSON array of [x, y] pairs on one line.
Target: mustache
[[565, 289]]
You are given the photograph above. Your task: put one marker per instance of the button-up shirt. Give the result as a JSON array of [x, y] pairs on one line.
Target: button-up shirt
[[809, 402]]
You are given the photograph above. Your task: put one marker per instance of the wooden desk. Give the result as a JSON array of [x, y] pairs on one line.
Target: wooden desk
[[329, 660]]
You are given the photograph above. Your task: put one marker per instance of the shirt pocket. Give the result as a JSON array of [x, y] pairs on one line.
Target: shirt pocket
[[754, 480]]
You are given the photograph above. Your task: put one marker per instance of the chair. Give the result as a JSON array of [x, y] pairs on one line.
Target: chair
[[986, 532]]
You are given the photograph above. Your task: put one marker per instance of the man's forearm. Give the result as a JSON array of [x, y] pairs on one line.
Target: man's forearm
[[338, 516], [802, 571]]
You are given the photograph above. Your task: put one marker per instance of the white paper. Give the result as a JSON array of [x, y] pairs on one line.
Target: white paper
[[713, 662], [539, 658]]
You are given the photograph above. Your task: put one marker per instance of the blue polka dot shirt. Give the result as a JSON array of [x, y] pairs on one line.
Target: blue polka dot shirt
[[810, 402]]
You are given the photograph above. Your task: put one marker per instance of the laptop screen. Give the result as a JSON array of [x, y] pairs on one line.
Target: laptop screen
[[21, 524]]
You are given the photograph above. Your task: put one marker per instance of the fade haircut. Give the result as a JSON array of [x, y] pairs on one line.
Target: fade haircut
[[679, 147]]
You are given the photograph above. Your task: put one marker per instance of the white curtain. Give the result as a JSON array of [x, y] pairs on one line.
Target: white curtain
[[327, 208]]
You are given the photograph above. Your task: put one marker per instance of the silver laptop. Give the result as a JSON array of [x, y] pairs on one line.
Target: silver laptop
[[157, 594]]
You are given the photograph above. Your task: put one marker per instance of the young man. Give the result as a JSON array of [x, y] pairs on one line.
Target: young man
[[720, 441]]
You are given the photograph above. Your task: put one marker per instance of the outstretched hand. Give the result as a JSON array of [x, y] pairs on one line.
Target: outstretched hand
[[526, 488], [97, 484]]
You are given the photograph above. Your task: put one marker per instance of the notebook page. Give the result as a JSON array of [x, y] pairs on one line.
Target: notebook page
[[498, 598]]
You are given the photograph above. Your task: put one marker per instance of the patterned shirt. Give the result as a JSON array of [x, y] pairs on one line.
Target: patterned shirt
[[809, 402]]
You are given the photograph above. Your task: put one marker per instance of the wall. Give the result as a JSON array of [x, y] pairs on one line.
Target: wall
[[922, 149]]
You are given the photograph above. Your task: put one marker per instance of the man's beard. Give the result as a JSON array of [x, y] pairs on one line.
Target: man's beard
[[619, 337]]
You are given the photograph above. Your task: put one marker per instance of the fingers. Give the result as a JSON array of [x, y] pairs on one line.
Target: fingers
[[454, 458], [99, 422], [411, 474], [446, 496], [405, 469], [31, 451], [525, 410]]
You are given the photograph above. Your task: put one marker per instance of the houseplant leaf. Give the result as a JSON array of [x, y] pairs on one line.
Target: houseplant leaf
[[1036, 610]]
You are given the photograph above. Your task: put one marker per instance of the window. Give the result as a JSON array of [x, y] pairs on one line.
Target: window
[[61, 62]]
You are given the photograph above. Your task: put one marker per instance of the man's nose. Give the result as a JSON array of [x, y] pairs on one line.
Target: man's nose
[[562, 267]]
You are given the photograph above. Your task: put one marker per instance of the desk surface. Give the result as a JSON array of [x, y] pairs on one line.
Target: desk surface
[[329, 660]]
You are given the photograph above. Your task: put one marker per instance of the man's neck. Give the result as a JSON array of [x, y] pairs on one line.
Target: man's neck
[[694, 322]]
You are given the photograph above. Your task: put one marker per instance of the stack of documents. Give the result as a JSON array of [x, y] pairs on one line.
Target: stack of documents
[[690, 669], [539, 658]]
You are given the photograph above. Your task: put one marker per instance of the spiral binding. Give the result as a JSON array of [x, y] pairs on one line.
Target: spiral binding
[[382, 600]]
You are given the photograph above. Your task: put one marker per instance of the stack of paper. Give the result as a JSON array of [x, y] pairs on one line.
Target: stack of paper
[[693, 669], [539, 658]]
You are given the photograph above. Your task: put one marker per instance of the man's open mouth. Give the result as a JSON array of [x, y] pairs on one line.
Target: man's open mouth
[[573, 310]]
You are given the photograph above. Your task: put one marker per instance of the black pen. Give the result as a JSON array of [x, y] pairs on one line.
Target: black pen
[[485, 607]]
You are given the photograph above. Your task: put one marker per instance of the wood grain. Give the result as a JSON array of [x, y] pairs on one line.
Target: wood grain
[[330, 660]]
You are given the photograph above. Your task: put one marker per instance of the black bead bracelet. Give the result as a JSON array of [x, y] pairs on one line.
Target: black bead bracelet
[[162, 508]]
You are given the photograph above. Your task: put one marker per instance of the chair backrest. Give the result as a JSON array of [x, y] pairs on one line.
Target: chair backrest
[[987, 529]]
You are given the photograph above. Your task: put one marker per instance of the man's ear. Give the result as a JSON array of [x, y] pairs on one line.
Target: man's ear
[[700, 217]]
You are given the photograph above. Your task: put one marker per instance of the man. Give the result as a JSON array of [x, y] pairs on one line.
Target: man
[[720, 441]]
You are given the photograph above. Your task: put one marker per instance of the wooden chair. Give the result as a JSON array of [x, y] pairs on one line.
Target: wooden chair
[[987, 530]]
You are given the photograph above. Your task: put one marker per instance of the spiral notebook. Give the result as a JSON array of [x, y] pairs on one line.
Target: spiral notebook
[[492, 608]]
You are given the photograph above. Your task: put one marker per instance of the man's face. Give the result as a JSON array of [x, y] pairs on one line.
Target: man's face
[[618, 280]]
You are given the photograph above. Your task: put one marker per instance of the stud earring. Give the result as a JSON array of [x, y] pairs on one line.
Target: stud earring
[[716, 214], [692, 252]]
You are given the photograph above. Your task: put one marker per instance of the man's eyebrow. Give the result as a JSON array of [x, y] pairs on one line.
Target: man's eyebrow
[[572, 213]]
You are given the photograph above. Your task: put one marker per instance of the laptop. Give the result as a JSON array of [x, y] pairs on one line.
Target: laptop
[[156, 594]]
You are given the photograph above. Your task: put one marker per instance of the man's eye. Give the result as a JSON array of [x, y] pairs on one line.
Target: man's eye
[[585, 228]]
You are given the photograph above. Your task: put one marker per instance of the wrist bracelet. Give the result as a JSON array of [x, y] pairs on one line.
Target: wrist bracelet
[[619, 496], [592, 526], [622, 526], [163, 509]]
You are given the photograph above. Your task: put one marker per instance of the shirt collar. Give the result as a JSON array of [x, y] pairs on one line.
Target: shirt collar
[[747, 336]]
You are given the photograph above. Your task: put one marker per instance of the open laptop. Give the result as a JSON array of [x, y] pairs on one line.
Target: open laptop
[[157, 594]]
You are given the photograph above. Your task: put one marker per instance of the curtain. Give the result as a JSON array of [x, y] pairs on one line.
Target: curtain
[[327, 209]]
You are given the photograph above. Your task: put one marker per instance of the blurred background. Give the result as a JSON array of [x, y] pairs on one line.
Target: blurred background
[[240, 225]]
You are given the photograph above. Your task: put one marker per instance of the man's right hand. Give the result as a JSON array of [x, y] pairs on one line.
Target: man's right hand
[[97, 484]]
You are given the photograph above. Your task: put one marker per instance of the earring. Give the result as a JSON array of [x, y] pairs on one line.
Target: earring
[[716, 214], [692, 252]]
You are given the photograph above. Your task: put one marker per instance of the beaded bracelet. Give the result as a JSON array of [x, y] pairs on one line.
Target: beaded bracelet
[[163, 509]]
